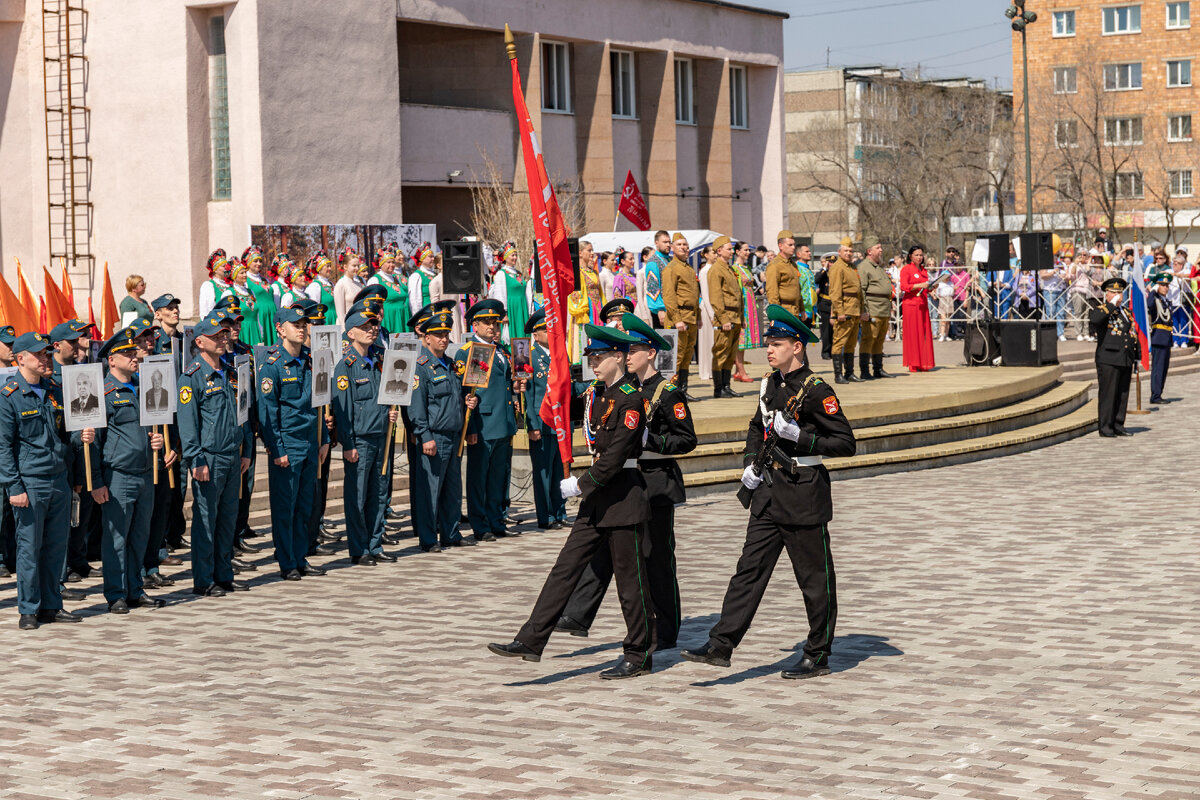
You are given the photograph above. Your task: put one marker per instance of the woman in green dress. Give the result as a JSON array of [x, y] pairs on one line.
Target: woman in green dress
[[321, 289], [395, 305], [262, 320]]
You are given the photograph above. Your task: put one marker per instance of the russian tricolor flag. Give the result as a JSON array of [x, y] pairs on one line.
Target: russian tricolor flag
[[1137, 307]]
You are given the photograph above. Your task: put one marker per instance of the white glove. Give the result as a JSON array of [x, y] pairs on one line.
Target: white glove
[[569, 487], [645, 435], [750, 480], [786, 427]]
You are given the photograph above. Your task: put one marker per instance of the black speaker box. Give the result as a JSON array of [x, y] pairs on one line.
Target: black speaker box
[[997, 252], [1037, 250], [462, 267], [980, 345], [1028, 344], [573, 246]]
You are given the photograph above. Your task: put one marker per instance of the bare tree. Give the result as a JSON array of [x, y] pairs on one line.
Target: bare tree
[[501, 214]]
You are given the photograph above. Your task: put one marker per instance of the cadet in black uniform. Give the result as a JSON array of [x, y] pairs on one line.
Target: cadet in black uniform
[[1117, 349], [1158, 311], [669, 433], [800, 419], [825, 309], [613, 511]]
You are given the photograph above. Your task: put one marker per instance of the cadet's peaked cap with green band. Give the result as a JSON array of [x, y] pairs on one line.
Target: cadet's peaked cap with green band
[[785, 325], [602, 339], [636, 327]]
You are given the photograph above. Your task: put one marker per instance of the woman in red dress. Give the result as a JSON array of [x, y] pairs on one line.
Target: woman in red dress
[[917, 330]]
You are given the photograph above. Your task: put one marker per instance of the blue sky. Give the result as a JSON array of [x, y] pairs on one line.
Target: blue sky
[[946, 38]]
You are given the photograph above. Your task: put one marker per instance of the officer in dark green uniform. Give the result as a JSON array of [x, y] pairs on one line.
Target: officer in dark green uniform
[[548, 501], [613, 511], [295, 438], [8, 527], [364, 429], [800, 420], [35, 460], [122, 485], [669, 433], [167, 523], [435, 419], [213, 445]]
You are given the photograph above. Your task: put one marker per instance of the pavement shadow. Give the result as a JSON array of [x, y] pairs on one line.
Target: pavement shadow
[[848, 652]]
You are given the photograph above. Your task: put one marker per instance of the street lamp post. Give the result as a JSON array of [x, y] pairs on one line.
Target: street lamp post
[[1021, 19]]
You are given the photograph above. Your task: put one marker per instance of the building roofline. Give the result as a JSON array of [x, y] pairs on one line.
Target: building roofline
[[769, 12]]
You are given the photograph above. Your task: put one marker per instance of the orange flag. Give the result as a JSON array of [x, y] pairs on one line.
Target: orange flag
[[43, 324], [25, 291], [12, 312], [68, 289], [91, 314], [109, 318], [58, 307]]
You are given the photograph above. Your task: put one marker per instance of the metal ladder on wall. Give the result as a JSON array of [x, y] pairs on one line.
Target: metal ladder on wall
[[68, 165]]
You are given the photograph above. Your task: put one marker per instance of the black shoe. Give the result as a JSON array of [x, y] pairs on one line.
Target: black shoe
[[877, 363], [75, 577], [850, 376], [707, 655], [118, 607], [1153, 402], [146, 601], [28, 622], [58, 616], [558, 524], [74, 595], [1108, 435], [805, 668], [233, 586], [687, 396], [321, 550], [388, 513], [328, 538], [365, 560], [508, 520], [5, 572], [433, 548], [626, 669], [568, 625], [382, 556], [172, 561], [156, 580], [515, 650], [484, 537], [1123, 432], [200, 590], [216, 590], [463, 542], [309, 569], [245, 547], [246, 566], [290, 574]]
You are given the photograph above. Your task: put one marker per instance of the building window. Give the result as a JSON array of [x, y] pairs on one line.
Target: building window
[[218, 109], [1179, 73], [1066, 80], [1127, 185], [1066, 187], [1122, 77], [1179, 128], [739, 106], [685, 111], [1122, 19], [620, 64], [1066, 133], [1064, 23], [1181, 182], [1123, 130], [556, 77], [1179, 15]]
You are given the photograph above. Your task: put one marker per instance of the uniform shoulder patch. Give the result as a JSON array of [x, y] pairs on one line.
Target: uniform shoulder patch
[[343, 383], [830, 404], [185, 394], [10, 387], [627, 389], [631, 419], [423, 360], [192, 368], [416, 381], [680, 411], [273, 358], [266, 385], [670, 387], [351, 358]]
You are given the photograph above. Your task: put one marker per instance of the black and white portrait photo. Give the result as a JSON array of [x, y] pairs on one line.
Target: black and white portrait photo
[[189, 346], [156, 388], [325, 337], [83, 396], [399, 365], [322, 377], [244, 382], [666, 358]]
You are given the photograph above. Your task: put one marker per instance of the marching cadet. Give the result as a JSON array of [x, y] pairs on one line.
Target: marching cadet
[[846, 305], [1159, 312], [1117, 350], [167, 523], [613, 511], [615, 310], [122, 483], [669, 433], [548, 502], [295, 439], [364, 429], [214, 448], [435, 417], [877, 295], [681, 296], [798, 422], [489, 459], [782, 278], [34, 469], [8, 528], [726, 299]]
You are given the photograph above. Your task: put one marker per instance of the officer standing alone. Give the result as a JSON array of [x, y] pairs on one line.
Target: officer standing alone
[[1117, 350]]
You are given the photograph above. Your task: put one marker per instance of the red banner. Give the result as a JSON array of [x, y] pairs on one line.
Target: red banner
[[554, 265], [633, 205]]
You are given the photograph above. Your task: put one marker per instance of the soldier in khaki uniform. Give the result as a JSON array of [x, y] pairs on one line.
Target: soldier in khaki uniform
[[725, 296], [877, 290], [846, 304], [681, 296], [782, 278]]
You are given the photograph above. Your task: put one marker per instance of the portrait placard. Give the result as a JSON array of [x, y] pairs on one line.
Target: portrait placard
[[479, 365], [6, 373], [157, 393], [242, 365], [189, 346], [325, 337], [404, 336], [322, 378], [665, 363], [83, 396], [399, 366], [522, 357]]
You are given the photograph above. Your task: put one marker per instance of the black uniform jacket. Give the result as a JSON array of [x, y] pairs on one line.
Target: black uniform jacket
[[671, 434], [800, 496], [613, 494], [1116, 341]]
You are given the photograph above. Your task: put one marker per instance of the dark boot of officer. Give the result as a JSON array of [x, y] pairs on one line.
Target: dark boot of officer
[[864, 366]]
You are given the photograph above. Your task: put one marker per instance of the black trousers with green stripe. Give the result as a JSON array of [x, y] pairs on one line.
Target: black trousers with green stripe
[[625, 549], [812, 563], [660, 571]]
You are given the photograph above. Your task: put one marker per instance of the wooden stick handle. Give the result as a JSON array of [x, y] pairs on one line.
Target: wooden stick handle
[[392, 437], [462, 439], [155, 454], [87, 465], [167, 449]]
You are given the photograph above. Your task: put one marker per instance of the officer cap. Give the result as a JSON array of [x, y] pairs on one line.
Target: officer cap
[[678, 235], [361, 307], [231, 305], [8, 335], [64, 332], [847, 242], [784, 234], [32, 342], [1114, 285], [485, 309], [371, 290], [119, 341], [294, 314], [304, 303], [141, 326], [636, 327], [720, 242], [213, 323], [603, 339], [425, 313], [536, 322], [1162, 278], [621, 305], [164, 300], [785, 325], [81, 327], [436, 322], [316, 312], [360, 318], [870, 242]]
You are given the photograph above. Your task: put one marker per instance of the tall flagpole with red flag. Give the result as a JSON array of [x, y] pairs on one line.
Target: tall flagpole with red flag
[[554, 265]]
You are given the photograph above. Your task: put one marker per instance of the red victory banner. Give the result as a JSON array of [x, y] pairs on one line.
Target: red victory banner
[[633, 205], [554, 265]]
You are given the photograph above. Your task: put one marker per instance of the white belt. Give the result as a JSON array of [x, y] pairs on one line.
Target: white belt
[[807, 461]]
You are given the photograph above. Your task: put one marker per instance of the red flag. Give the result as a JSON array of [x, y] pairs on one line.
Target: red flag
[[554, 265], [12, 312], [633, 205], [43, 317], [91, 314], [109, 317]]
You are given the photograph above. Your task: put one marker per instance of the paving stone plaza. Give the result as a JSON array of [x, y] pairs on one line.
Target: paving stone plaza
[[1015, 628]]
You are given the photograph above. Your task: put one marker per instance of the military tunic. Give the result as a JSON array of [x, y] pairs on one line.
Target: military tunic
[[1117, 349], [436, 415], [362, 425], [681, 297], [845, 299], [783, 285], [167, 523], [1161, 340], [489, 460]]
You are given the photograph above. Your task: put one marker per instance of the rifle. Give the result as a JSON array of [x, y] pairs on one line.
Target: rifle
[[764, 458]]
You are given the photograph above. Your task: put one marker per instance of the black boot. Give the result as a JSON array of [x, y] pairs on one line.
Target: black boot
[[848, 364], [682, 382], [717, 394], [726, 377], [838, 377], [864, 366], [877, 361]]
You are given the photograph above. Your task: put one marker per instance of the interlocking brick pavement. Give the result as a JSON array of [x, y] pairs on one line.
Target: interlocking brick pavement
[[1014, 628]]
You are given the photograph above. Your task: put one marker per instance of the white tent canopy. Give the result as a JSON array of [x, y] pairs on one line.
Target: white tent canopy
[[635, 240]]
